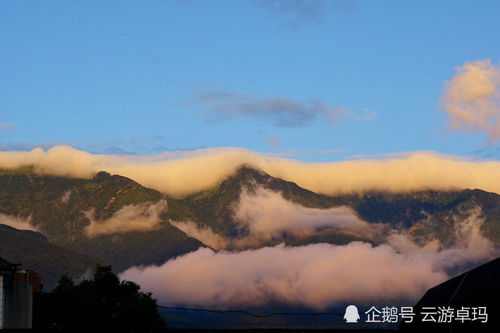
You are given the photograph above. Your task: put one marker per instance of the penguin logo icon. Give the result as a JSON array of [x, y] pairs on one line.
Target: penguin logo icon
[[351, 314]]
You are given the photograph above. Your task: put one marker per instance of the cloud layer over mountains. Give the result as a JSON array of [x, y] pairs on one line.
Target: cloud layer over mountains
[[316, 275], [180, 173]]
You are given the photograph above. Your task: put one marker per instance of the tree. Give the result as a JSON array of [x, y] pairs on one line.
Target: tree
[[101, 304]]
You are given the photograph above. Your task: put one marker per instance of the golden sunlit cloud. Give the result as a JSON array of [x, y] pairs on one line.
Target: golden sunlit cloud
[[184, 172], [472, 98]]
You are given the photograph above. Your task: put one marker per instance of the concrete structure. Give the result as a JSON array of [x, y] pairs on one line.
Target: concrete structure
[[16, 295]]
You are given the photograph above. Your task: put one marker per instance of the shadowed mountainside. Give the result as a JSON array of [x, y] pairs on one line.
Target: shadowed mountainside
[[423, 213], [33, 250]]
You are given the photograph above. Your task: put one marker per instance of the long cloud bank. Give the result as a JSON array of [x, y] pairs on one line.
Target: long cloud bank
[[316, 276], [181, 173]]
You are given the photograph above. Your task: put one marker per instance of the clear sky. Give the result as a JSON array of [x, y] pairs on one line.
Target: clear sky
[[315, 80]]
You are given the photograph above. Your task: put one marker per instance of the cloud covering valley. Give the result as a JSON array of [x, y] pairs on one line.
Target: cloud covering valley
[[315, 275]]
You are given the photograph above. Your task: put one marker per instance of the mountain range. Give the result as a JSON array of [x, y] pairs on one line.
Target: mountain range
[[110, 219]]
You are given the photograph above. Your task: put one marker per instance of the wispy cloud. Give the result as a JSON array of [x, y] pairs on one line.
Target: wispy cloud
[[486, 151], [141, 217], [277, 110], [18, 222], [204, 234], [472, 98], [295, 14], [5, 126]]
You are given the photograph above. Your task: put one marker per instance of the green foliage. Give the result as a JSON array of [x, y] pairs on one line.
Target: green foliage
[[101, 304]]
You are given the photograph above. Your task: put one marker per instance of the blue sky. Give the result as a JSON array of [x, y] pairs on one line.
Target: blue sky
[[153, 76]]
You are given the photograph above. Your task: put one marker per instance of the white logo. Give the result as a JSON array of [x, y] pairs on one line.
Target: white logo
[[351, 314]]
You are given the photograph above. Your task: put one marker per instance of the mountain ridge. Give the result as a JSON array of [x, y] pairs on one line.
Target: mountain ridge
[[57, 206]]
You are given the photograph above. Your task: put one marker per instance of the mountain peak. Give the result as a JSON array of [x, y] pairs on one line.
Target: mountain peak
[[101, 176], [249, 177], [247, 172]]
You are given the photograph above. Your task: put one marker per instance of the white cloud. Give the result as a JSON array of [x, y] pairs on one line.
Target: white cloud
[[267, 214], [316, 276], [18, 222], [204, 234], [470, 244], [141, 217], [472, 98], [180, 173]]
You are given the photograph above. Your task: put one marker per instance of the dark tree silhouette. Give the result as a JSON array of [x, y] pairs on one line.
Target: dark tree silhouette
[[101, 304]]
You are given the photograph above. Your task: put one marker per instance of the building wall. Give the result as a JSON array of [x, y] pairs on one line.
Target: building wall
[[18, 303], [16, 295], [1, 302], [18, 307]]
